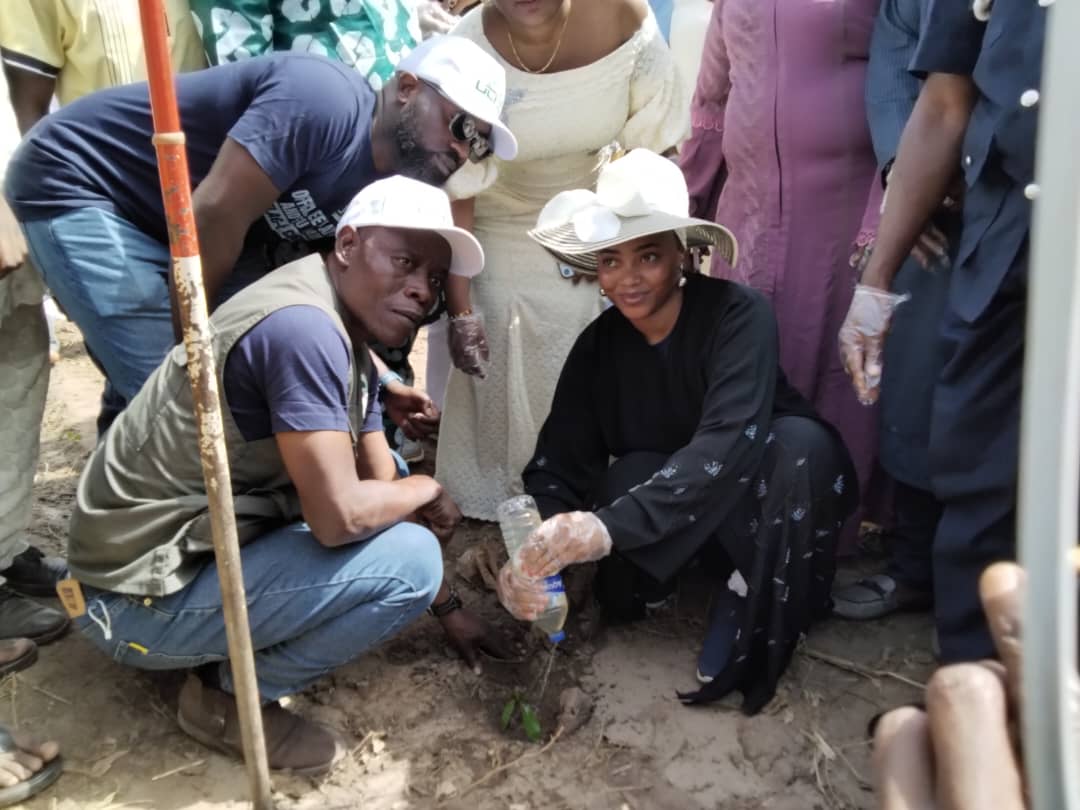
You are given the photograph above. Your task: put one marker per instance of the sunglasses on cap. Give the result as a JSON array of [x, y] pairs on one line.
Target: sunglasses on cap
[[463, 128]]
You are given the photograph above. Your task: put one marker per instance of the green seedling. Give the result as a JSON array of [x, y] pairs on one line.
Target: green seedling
[[517, 709]]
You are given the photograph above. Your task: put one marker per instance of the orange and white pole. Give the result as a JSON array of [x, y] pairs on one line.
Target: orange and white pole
[[195, 321]]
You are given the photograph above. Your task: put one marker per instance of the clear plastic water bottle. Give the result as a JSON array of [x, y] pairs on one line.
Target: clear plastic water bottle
[[517, 518]]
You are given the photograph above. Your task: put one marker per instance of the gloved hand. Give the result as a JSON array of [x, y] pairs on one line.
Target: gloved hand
[[434, 18], [863, 335], [468, 344], [524, 597], [562, 540]]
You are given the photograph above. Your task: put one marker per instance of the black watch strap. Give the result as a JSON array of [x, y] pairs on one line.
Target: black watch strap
[[452, 603]]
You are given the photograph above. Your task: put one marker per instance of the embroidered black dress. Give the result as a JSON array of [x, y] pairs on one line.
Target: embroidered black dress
[[728, 455]]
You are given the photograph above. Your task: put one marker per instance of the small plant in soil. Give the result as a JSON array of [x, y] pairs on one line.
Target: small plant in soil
[[519, 712]]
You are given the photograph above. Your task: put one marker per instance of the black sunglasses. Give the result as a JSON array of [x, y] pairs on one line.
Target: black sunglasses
[[463, 128]]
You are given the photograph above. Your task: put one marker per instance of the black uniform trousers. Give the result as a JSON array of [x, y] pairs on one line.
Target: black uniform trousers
[[974, 459]]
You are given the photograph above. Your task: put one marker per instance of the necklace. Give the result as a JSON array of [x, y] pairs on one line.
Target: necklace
[[554, 53]]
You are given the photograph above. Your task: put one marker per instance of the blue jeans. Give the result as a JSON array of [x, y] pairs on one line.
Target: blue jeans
[[311, 608], [111, 279]]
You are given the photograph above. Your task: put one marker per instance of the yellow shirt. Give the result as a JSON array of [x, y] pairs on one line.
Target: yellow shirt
[[88, 45]]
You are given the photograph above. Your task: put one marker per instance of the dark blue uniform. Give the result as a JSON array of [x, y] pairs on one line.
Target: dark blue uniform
[[975, 422], [914, 351]]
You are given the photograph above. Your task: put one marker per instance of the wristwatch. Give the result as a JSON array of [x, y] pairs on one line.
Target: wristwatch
[[452, 603]]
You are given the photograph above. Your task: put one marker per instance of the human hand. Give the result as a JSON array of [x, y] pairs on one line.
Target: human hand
[[962, 751], [12, 242], [434, 18], [468, 344], [562, 540], [470, 635], [862, 336], [932, 247], [524, 597], [411, 409], [441, 516]]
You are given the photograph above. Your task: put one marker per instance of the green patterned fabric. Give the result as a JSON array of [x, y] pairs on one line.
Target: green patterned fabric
[[369, 35]]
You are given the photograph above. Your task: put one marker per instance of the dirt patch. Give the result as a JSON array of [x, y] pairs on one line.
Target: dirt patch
[[424, 731]]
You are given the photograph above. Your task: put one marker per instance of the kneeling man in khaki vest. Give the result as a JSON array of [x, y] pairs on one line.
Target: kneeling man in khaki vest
[[339, 552]]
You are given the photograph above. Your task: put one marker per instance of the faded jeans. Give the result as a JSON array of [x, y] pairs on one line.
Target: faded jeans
[[311, 608]]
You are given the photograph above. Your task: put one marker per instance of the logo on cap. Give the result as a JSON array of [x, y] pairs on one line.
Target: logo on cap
[[488, 91]]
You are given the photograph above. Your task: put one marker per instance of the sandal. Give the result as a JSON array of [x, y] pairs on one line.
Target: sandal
[[22, 791], [877, 596]]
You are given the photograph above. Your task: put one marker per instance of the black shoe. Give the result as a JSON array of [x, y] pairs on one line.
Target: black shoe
[[24, 618], [35, 574]]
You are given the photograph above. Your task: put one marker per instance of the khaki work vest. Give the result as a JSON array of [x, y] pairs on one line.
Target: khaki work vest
[[141, 523]]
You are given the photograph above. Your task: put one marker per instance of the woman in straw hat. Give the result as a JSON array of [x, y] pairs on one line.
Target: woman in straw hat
[[716, 456]]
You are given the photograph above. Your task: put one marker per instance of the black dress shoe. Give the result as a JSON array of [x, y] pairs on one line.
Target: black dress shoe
[[35, 574], [24, 618]]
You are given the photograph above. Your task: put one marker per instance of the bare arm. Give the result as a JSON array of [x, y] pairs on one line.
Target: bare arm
[[927, 160], [31, 94], [458, 299], [373, 459], [234, 194], [337, 505]]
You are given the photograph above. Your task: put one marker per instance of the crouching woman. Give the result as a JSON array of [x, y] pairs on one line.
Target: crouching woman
[[674, 436]]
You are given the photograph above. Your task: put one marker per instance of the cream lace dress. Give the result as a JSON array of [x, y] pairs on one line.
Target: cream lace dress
[[564, 123]]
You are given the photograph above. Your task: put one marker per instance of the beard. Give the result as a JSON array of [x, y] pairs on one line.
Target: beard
[[414, 160]]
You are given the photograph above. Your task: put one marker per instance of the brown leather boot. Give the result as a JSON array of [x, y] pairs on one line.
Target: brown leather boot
[[292, 743]]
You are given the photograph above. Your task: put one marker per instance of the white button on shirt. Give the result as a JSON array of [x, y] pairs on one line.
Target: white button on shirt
[[1031, 190], [967, 160], [1029, 98]]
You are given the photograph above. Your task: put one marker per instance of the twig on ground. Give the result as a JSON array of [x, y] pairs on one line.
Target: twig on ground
[[859, 669], [180, 769], [44, 691], [494, 771]]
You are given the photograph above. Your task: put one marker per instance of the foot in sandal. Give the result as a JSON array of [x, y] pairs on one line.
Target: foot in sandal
[[27, 767]]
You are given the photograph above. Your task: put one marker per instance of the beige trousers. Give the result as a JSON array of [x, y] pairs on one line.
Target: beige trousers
[[24, 382]]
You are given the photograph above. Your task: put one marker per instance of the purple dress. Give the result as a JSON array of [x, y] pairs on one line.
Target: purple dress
[[781, 154]]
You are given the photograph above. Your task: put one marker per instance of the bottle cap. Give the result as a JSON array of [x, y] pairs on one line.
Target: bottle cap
[[557, 636]]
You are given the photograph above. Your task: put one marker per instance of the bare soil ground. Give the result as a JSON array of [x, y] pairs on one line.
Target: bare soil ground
[[425, 731]]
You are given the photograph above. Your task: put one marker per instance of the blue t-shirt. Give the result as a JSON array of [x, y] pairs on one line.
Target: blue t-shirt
[[291, 373], [306, 121]]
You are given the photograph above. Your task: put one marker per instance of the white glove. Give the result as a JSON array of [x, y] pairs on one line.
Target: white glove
[[562, 540], [862, 337]]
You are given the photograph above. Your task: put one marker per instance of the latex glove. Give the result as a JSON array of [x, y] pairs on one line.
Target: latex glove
[[468, 344], [12, 243], [434, 18], [524, 597], [562, 540], [863, 335]]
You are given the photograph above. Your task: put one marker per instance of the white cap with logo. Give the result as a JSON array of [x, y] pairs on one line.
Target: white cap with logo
[[399, 202], [470, 77]]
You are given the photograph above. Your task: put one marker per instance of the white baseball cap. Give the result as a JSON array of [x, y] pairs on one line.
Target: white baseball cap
[[399, 202], [470, 77]]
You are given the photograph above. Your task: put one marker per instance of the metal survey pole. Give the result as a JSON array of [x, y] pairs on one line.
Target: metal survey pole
[[1050, 431], [202, 373]]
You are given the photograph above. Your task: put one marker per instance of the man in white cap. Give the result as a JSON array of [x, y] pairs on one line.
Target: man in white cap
[[276, 148], [339, 553]]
